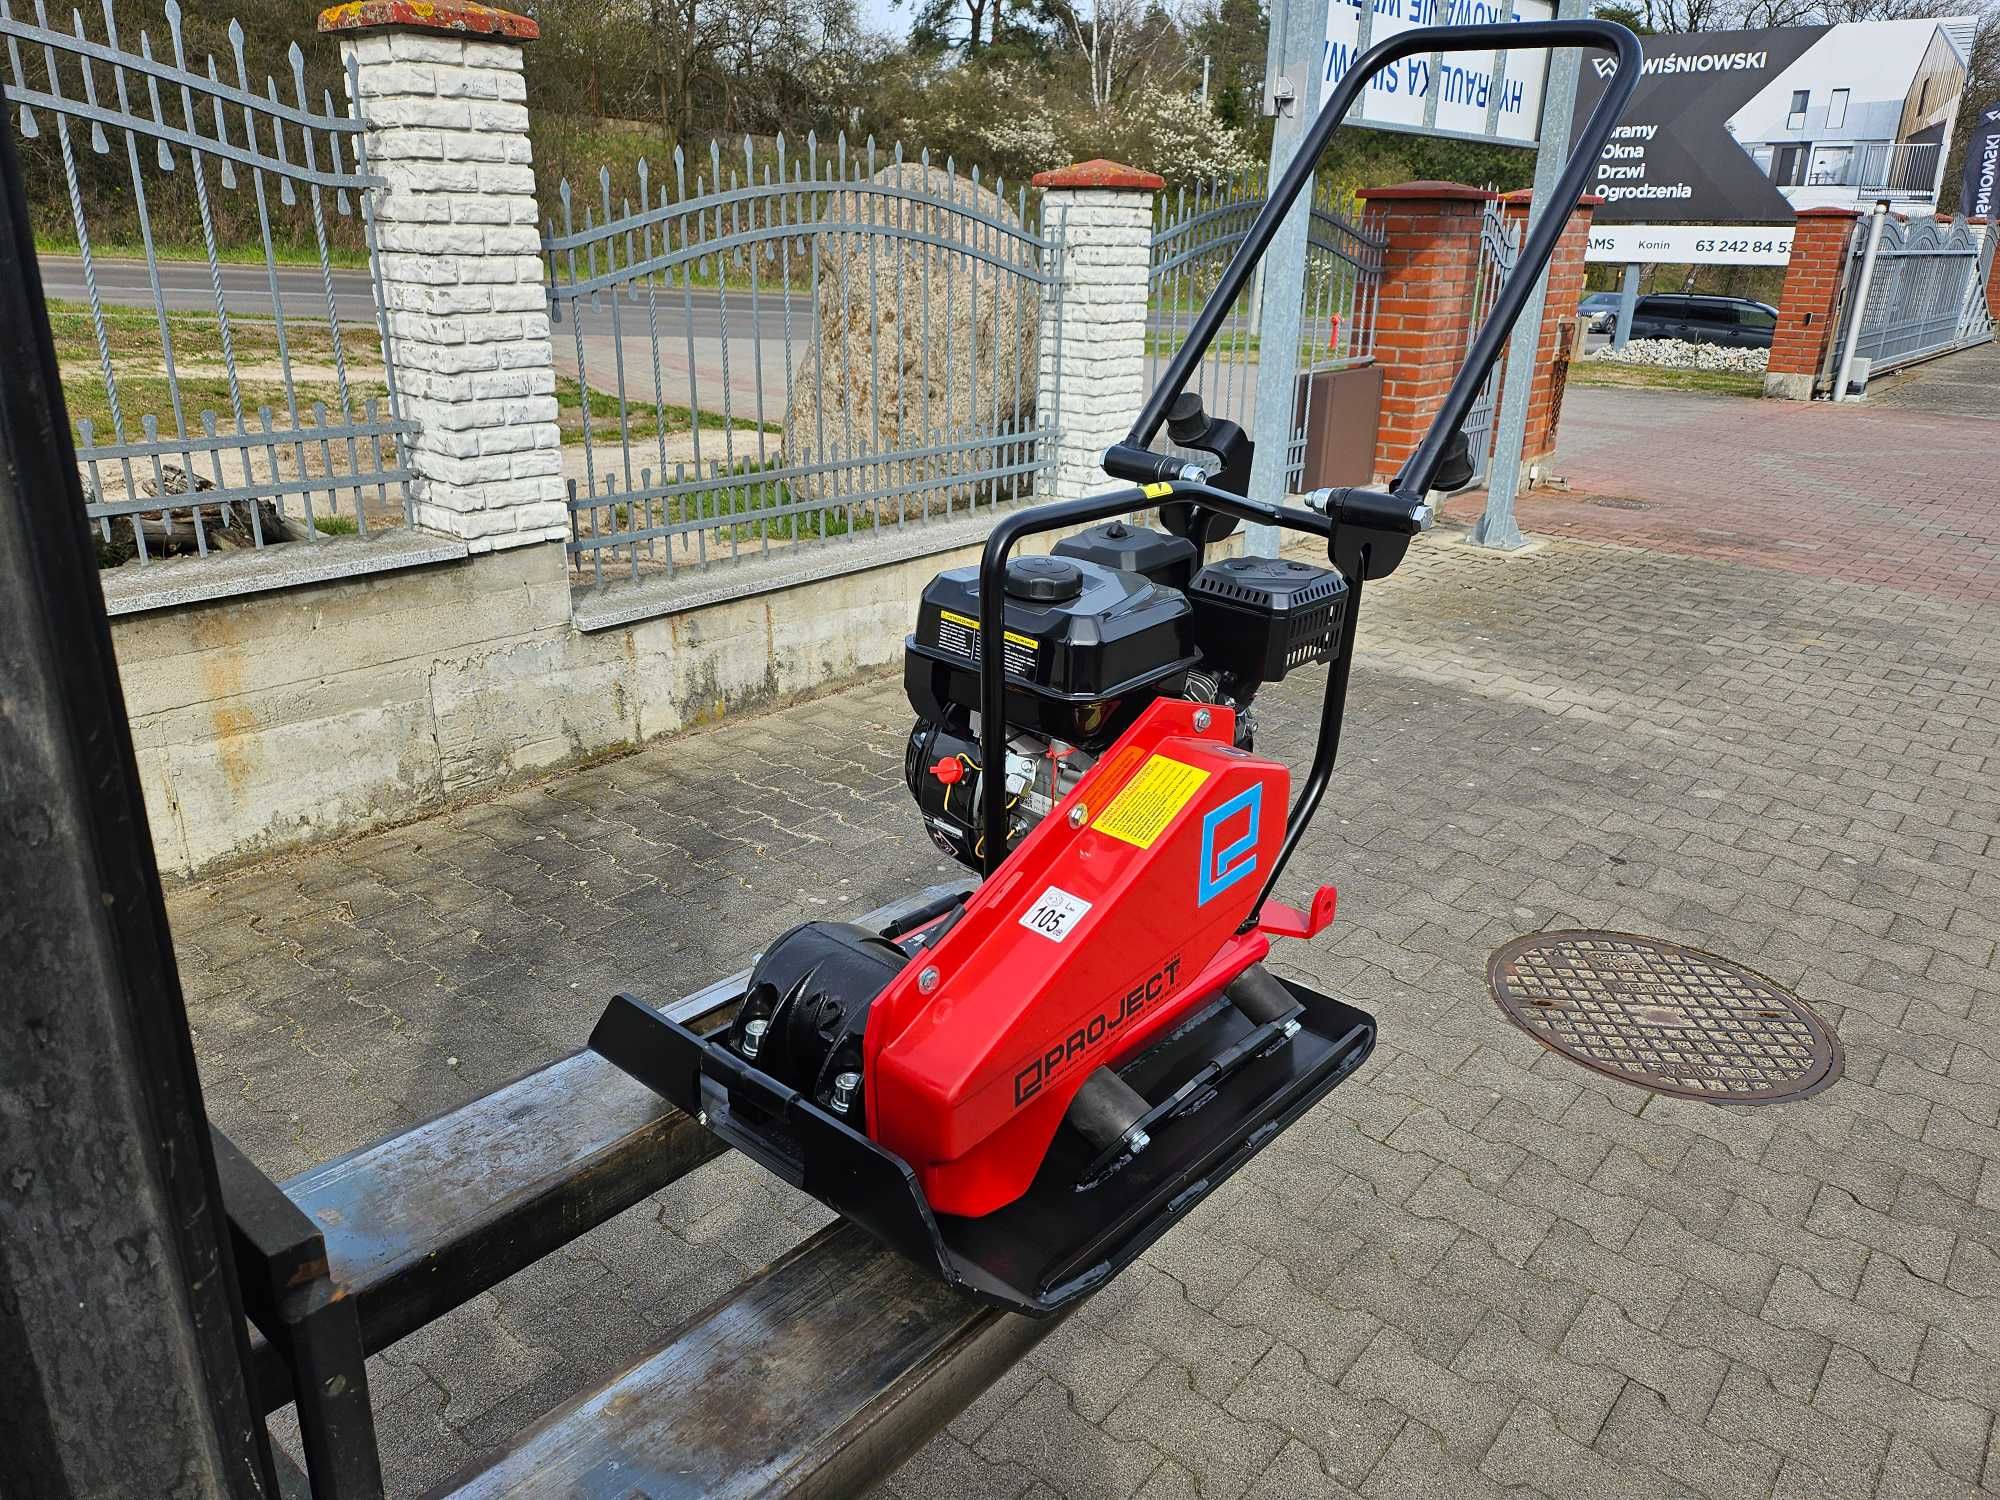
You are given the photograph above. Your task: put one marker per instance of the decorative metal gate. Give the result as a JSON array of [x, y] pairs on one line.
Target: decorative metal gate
[[171, 474], [1928, 294], [1197, 234], [779, 349], [1499, 248]]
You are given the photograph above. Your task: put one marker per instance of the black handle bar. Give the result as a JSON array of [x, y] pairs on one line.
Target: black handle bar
[[1401, 511], [1414, 479]]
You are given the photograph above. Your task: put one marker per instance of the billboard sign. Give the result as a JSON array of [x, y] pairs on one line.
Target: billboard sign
[[1400, 98], [1979, 190], [1733, 129], [1691, 244]]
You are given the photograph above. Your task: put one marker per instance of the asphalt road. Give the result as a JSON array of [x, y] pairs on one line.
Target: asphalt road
[[246, 292]]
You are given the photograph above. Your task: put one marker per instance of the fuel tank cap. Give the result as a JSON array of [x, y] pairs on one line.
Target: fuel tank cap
[[1043, 580]]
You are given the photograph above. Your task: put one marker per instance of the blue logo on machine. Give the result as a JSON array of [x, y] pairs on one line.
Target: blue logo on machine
[[1229, 842]]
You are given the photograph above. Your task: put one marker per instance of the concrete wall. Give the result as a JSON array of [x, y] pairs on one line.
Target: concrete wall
[[274, 720]]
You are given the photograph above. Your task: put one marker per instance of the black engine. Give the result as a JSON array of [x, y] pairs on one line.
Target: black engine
[[1113, 618]]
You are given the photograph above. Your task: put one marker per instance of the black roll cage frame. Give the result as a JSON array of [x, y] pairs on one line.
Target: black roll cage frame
[[1367, 530]]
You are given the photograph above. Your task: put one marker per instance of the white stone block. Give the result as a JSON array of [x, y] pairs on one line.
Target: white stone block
[[451, 359], [542, 461], [404, 143], [469, 83], [391, 80], [366, 50], [521, 297], [414, 47], [514, 239], [498, 178], [468, 145], [473, 209], [524, 352], [491, 54], [497, 116]]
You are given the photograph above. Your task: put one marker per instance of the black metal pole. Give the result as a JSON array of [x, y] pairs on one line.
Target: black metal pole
[[1416, 474], [122, 1342]]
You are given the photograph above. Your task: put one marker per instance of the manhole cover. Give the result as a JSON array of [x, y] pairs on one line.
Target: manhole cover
[[1671, 1019]]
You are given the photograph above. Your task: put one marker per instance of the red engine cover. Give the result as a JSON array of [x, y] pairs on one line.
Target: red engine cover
[[1088, 943]]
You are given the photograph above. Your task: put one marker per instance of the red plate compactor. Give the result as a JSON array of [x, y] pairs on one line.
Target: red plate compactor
[[1024, 1085]]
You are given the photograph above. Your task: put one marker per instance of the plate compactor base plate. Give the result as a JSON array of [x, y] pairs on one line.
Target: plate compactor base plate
[[1060, 1239]]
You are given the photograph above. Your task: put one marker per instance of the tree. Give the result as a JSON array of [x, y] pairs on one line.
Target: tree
[[935, 26], [1628, 15], [1118, 42], [1234, 36]]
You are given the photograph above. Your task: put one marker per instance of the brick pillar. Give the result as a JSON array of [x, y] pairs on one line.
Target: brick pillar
[[1428, 266], [1559, 318], [440, 90], [1820, 245], [1093, 317]]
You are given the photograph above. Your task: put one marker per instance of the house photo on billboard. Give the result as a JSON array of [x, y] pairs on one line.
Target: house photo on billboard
[[1866, 112], [1731, 134]]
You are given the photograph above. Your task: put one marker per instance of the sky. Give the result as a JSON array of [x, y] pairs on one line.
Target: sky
[[877, 15]]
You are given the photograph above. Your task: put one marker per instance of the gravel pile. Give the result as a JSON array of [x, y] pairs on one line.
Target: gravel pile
[[1684, 354]]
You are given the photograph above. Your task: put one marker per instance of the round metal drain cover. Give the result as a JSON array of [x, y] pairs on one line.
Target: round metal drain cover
[[1671, 1019]]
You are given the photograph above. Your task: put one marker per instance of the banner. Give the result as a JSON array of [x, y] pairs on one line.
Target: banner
[[1399, 96], [1979, 190], [1748, 127]]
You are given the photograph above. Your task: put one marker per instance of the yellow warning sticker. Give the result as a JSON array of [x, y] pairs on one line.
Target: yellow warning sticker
[[1146, 804], [1156, 491]]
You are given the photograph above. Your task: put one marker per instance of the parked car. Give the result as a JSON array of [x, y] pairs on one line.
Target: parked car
[[1735, 321], [1599, 311]]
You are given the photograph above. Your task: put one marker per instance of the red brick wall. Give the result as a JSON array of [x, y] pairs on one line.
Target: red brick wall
[[1565, 290], [1427, 272], [1805, 310]]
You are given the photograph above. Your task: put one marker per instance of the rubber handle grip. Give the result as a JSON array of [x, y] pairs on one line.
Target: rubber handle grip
[[1142, 465]]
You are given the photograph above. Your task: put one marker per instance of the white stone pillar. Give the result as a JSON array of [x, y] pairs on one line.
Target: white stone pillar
[[1093, 333], [440, 90]]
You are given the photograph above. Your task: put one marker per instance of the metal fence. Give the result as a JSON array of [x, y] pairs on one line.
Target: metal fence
[[310, 441], [782, 347], [1196, 235], [1499, 248], [1928, 294]]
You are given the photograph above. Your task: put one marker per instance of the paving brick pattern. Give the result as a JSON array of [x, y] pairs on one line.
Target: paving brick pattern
[[1895, 491], [1476, 1269]]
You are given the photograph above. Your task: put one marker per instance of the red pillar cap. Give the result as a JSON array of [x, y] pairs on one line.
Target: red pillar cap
[[1829, 213], [453, 18], [1101, 174], [1404, 190]]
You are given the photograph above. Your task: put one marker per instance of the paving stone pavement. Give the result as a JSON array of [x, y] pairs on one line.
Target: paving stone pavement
[[1476, 1269], [1888, 491]]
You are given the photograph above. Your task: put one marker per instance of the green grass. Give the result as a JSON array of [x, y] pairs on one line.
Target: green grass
[[138, 361], [283, 253], [335, 525], [1593, 372], [643, 419]]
